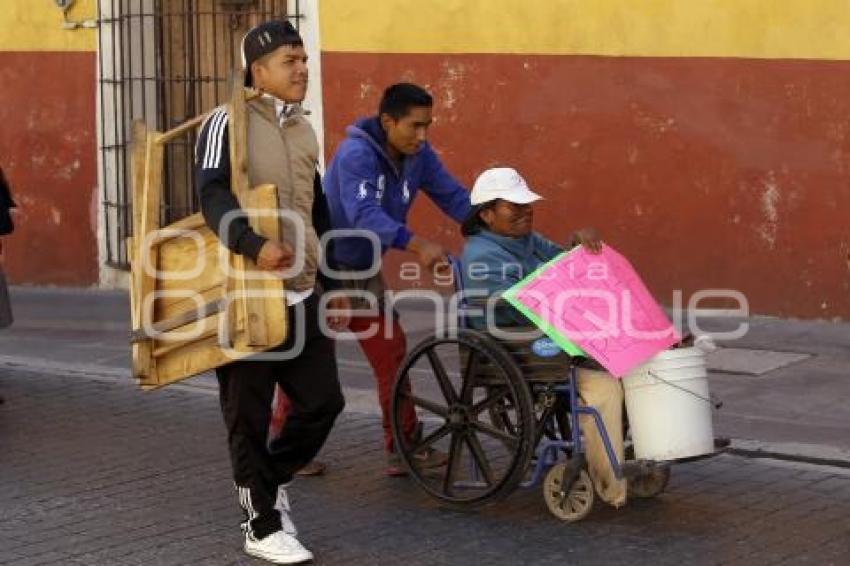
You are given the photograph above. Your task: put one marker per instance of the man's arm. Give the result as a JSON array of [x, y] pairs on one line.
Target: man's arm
[[362, 207], [212, 181], [446, 192], [544, 248]]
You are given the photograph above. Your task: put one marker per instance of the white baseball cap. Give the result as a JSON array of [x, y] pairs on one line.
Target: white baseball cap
[[502, 183]]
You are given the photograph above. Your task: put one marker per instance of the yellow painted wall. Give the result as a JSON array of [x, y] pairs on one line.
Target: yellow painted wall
[[36, 25], [798, 29]]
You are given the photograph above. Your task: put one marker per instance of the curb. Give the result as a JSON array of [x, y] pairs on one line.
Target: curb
[[816, 454]]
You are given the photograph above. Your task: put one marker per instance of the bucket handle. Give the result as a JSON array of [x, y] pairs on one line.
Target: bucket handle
[[712, 401]]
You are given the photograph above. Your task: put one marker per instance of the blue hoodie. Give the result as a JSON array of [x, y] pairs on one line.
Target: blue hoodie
[[366, 191]]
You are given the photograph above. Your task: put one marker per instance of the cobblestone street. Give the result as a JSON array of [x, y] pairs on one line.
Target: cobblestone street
[[94, 471]]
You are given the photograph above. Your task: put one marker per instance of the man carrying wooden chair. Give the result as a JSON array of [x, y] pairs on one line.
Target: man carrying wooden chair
[[282, 149]]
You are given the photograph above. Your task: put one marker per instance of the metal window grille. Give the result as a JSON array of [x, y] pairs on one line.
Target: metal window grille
[[164, 62]]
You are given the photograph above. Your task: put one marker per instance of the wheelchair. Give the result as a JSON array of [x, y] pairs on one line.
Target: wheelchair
[[505, 409]]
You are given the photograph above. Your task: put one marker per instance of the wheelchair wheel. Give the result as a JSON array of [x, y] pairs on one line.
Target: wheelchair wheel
[[568, 505], [650, 484], [474, 406]]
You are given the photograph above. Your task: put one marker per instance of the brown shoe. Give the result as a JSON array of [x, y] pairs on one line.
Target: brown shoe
[[313, 468]]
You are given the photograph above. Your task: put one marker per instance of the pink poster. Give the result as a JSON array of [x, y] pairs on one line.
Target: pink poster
[[598, 302]]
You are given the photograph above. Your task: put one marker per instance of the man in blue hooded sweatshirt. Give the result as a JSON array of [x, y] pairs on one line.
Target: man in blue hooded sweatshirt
[[370, 185]]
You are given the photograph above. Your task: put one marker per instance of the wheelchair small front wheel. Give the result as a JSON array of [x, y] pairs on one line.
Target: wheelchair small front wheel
[[571, 504]]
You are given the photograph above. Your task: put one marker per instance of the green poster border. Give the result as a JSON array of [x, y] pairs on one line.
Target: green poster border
[[510, 296]]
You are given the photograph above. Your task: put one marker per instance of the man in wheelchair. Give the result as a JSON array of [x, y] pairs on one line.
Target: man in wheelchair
[[501, 249]]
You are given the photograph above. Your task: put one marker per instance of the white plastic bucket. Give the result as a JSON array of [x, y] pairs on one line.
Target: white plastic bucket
[[669, 407]]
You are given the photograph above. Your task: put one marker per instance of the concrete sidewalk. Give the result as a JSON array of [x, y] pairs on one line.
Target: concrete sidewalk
[[801, 410]]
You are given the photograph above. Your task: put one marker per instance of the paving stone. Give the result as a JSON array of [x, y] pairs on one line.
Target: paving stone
[[751, 362]]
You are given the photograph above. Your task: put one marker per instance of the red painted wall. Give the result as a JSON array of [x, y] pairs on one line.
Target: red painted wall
[[706, 173], [48, 149]]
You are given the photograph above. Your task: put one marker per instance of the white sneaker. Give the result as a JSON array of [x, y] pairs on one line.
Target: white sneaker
[[278, 547], [282, 506]]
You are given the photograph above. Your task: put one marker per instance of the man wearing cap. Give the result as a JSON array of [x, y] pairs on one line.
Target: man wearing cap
[[501, 249], [282, 150], [371, 183]]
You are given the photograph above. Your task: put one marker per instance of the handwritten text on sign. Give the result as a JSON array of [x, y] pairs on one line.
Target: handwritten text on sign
[[598, 302]]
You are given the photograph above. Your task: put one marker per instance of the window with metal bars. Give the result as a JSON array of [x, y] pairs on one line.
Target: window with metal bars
[[164, 62]]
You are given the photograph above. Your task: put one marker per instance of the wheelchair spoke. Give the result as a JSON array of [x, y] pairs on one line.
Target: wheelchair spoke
[[544, 425], [453, 463], [505, 420], [432, 438], [469, 377], [479, 457], [509, 440], [491, 400], [430, 406], [442, 377]]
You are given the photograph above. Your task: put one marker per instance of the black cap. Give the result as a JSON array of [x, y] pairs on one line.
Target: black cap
[[265, 38]]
